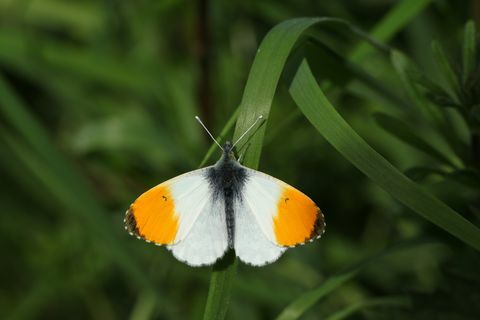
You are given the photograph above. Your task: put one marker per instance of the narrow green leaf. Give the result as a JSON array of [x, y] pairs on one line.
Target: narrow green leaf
[[257, 100], [411, 78], [393, 22], [469, 48], [407, 134], [307, 300], [452, 85], [380, 302], [323, 116], [221, 282], [404, 68]]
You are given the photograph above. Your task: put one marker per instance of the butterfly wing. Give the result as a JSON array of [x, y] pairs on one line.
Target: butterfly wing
[[251, 244], [207, 240], [285, 216], [182, 214]]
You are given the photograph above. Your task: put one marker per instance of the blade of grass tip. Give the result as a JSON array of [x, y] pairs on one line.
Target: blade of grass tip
[[144, 307], [469, 54], [380, 302], [257, 100], [307, 300], [452, 85], [393, 22], [328, 122]]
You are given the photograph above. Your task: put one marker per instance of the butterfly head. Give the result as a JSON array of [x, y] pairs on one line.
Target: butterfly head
[[228, 150]]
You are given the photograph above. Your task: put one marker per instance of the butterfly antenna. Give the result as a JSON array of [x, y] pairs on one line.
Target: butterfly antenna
[[250, 128], [200, 121]]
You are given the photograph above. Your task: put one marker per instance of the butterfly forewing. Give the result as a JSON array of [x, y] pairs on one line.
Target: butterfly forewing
[[286, 216], [166, 213]]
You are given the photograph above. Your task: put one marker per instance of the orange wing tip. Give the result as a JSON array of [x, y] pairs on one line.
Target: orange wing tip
[[152, 217], [298, 219]]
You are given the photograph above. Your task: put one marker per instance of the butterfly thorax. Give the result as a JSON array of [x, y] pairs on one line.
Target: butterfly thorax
[[227, 179]]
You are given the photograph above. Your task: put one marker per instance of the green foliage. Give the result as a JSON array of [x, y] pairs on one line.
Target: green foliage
[[97, 103]]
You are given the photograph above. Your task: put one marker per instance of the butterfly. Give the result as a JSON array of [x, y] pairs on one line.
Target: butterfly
[[202, 214]]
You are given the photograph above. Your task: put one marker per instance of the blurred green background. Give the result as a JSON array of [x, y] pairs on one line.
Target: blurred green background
[[97, 104]]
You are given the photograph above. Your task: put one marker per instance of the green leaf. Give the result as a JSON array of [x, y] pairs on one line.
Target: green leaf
[[407, 134], [394, 21], [257, 100], [307, 300], [469, 54], [323, 116], [380, 302], [452, 85], [404, 67], [412, 78]]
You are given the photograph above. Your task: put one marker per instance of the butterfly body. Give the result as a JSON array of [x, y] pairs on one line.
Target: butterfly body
[[202, 214], [227, 179]]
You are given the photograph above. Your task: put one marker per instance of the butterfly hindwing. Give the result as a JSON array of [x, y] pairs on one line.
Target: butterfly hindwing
[[286, 216], [251, 244], [207, 240]]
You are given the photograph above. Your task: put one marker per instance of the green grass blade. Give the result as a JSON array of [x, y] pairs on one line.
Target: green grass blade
[[407, 134], [452, 85], [323, 116], [469, 54], [307, 300], [221, 282], [263, 79], [394, 21], [257, 100], [411, 76], [380, 302]]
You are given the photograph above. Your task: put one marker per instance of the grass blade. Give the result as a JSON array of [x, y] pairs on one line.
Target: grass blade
[[257, 100], [395, 20], [307, 300], [469, 54], [323, 116], [352, 309], [405, 133], [443, 64]]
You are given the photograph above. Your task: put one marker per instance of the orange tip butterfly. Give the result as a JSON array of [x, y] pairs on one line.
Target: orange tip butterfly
[[201, 214]]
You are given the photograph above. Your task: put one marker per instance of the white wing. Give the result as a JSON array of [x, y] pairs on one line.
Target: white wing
[[251, 244], [182, 214], [207, 240], [285, 215]]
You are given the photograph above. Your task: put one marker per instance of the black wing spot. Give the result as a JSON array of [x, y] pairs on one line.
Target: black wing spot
[[164, 198], [286, 200]]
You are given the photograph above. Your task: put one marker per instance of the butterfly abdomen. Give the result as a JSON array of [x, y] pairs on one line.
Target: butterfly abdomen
[[227, 180]]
